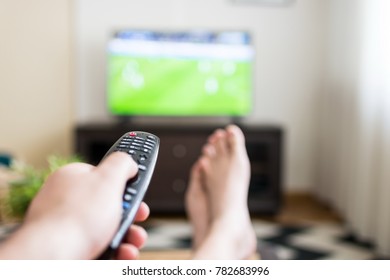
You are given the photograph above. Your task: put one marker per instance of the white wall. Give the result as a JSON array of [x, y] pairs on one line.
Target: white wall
[[38, 99], [35, 99], [289, 43]]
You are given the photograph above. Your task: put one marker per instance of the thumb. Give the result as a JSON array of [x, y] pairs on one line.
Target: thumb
[[117, 168]]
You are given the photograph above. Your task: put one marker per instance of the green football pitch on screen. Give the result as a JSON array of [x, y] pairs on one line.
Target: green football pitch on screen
[[168, 86]]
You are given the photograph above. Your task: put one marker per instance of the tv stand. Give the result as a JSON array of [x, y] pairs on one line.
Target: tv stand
[[237, 121], [180, 147], [124, 120]]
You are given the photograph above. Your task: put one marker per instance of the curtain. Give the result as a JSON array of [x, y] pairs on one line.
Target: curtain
[[354, 152]]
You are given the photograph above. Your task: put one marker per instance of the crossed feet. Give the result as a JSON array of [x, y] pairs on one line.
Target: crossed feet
[[216, 198]]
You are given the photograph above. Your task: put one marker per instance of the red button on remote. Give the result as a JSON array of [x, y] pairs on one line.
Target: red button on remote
[[132, 134]]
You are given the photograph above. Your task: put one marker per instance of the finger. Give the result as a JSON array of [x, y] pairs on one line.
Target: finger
[[142, 213], [118, 167], [75, 168], [127, 252], [136, 235]]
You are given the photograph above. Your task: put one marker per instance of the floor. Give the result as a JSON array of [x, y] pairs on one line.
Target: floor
[[298, 210], [304, 229], [302, 208]]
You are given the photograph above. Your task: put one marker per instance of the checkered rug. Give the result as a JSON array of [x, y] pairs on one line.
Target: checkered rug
[[275, 241]]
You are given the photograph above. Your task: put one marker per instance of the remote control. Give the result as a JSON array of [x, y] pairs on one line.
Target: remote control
[[143, 147]]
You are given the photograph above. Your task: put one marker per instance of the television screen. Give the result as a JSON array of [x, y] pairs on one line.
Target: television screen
[[191, 73]]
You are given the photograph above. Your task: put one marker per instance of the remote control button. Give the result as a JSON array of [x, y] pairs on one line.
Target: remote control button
[[132, 133], [151, 137], [131, 152], [131, 191], [149, 144], [126, 205], [127, 144], [141, 167], [137, 144], [142, 158], [127, 197], [146, 150]]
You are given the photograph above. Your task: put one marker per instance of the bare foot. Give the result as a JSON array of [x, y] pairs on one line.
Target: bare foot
[[225, 171], [197, 206], [196, 201]]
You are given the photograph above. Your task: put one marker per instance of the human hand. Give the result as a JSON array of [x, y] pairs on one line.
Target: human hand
[[78, 209]]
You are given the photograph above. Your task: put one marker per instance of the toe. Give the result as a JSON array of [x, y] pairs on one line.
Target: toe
[[235, 136]]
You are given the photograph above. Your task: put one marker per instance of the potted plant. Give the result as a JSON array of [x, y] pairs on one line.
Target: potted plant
[[22, 190]]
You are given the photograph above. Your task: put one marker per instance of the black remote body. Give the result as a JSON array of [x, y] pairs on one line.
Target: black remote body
[[143, 147]]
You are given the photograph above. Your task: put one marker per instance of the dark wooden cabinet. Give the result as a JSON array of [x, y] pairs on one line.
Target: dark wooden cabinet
[[180, 147]]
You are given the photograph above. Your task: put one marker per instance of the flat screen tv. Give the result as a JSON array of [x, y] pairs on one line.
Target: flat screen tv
[[180, 73]]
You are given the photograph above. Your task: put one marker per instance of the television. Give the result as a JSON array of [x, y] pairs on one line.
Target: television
[[180, 73]]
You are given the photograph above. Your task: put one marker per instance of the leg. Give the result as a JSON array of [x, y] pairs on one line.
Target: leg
[[225, 172]]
